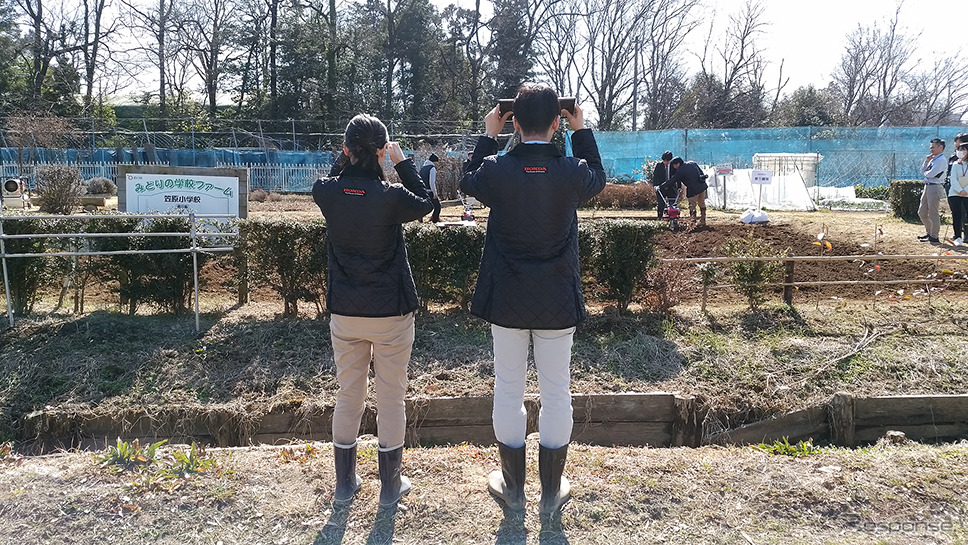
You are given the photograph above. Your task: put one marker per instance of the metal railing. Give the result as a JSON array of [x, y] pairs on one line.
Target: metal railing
[[267, 176], [194, 234]]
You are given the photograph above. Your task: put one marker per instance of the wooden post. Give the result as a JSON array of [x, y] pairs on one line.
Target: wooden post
[[686, 428], [840, 413], [788, 290], [242, 266]]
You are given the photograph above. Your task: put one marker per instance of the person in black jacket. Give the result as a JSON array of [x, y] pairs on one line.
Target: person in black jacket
[[428, 173], [660, 175], [529, 283], [371, 296], [690, 175]]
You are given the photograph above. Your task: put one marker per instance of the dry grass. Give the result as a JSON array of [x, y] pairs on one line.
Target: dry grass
[[888, 494], [743, 366]]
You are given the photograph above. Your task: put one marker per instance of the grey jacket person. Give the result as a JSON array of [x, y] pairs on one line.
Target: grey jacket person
[[529, 276]]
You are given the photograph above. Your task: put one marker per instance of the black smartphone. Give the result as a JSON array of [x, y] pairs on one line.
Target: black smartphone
[[506, 105], [567, 103]]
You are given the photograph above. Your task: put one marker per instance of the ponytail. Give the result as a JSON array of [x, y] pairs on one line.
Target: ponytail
[[365, 136]]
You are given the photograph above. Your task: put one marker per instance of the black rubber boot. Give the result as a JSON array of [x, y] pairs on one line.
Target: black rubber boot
[[507, 483], [555, 488], [347, 481], [393, 485]]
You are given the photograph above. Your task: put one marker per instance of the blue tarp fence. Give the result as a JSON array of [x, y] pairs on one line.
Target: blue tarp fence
[[850, 155]]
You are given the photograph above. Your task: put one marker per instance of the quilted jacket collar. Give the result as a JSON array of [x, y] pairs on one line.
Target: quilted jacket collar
[[357, 171], [535, 150]]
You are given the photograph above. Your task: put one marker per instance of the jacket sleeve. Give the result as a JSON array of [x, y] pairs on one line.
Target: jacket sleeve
[[415, 201], [473, 182], [935, 168], [584, 147]]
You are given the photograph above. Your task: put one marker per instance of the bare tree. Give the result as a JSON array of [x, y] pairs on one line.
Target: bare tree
[[611, 30], [53, 33], [155, 27], [943, 97], [206, 36], [874, 75], [557, 47], [730, 91], [663, 36], [96, 35]]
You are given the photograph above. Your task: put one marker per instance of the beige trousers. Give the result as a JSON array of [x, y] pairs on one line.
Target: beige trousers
[[699, 199], [388, 342]]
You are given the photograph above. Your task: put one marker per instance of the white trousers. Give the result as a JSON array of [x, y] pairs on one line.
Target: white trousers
[[552, 358]]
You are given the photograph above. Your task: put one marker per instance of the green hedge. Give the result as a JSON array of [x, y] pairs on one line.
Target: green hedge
[[625, 251], [879, 192], [905, 197], [289, 257], [615, 256]]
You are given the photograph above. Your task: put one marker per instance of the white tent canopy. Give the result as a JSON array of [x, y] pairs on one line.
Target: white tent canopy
[[736, 191]]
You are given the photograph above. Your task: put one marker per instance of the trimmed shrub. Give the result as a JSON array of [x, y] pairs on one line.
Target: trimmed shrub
[[624, 196], [626, 251], [751, 277], [26, 274], [444, 261], [90, 268], [59, 188], [879, 192], [165, 279], [288, 256], [905, 197], [587, 255], [101, 186]]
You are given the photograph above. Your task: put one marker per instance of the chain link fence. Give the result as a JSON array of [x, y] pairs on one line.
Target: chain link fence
[[287, 155]]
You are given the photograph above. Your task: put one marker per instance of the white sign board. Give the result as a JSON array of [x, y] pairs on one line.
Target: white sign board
[[165, 192], [762, 177], [724, 169]]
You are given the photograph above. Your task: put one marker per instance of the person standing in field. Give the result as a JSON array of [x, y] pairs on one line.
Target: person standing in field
[[933, 168], [958, 193], [529, 284], [660, 175], [428, 173], [371, 296]]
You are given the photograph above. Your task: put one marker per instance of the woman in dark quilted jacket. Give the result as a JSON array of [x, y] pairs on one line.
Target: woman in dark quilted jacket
[[370, 295]]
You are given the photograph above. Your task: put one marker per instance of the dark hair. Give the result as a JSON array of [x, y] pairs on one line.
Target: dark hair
[[938, 141], [536, 108], [667, 156], [963, 146], [365, 136], [433, 158], [677, 161]]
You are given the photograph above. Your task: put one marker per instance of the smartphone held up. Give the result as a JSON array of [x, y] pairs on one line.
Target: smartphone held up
[[506, 105]]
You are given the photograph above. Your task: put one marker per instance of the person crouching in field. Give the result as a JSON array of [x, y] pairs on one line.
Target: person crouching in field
[[689, 174], [529, 286], [371, 296]]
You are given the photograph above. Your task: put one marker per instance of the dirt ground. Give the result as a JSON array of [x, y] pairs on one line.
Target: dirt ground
[[887, 494]]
